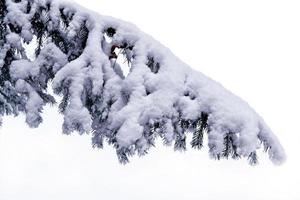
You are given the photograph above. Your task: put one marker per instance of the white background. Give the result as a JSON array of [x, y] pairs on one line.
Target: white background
[[251, 47]]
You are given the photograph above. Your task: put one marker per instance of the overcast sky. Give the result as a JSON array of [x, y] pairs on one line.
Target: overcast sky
[[251, 47]]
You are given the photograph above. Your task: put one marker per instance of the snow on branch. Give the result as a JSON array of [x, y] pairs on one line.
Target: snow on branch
[[77, 51]]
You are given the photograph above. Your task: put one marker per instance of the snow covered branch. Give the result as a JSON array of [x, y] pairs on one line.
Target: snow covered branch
[[78, 51]]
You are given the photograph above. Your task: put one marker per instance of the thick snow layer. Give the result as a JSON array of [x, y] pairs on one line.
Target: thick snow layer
[[159, 89]]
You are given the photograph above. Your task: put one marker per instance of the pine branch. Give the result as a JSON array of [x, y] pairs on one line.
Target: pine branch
[[160, 87], [230, 147], [199, 126], [253, 159], [122, 156]]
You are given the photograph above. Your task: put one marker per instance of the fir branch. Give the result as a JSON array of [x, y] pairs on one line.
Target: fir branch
[[199, 126], [229, 147], [123, 154], [252, 158]]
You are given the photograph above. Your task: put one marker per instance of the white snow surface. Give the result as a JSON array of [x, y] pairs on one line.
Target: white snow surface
[[132, 106]]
